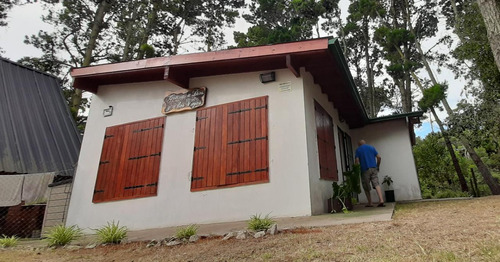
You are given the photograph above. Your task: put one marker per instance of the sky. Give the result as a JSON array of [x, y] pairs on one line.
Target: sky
[[26, 20]]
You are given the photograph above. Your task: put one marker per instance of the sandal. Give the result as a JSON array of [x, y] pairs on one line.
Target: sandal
[[381, 205]]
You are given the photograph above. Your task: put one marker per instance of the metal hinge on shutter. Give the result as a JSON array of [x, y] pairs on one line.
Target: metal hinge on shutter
[[139, 157], [239, 141], [247, 172], [196, 178], [140, 186], [201, 118], [98, 191], [247, 140], [104, 162], [146, 129], [261, 107], [239, 173], [108, 136], [133, 187], [200, 147], [239, 111]]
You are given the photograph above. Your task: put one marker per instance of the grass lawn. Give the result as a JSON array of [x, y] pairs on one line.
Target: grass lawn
[[463, 230]]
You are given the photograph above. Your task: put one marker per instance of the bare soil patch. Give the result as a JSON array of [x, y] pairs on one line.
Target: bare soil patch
[[464, 230]]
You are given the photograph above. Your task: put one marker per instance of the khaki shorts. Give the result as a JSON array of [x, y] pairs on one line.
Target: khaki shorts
[[370, 175]]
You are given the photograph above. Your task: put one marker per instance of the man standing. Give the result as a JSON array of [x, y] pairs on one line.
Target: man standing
[[366, 155]]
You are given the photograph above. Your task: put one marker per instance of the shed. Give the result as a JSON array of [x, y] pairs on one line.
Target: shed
[[37, 134], [220, 136]]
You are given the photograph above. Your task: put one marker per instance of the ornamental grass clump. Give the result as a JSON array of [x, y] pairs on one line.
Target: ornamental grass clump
[[62, 235], [6, 241], [258, 223], [111, 233], [186, 232]]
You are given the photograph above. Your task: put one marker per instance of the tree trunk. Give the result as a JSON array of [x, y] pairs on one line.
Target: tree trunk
[[152, 21], [449, 146], [481, 166], [490, 10], [483, 169], [368, 70], [76, 99], [485, 172], [127, 55]]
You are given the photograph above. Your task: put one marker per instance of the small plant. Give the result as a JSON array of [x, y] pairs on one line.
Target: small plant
[[341, 193], [186, 232], [62, 235], [6, 241], [258, 223], [112, 233], [388, 181]]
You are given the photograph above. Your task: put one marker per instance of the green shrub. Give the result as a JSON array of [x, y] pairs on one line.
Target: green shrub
[[426, 193], [258, 223], [62, 235], [112, 233], [186, 232], [6, 241], [447, 193]]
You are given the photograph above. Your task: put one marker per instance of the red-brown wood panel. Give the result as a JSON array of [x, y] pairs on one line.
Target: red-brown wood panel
[[236, 144], [326, 144], [157, 159], [251, 146], [123, 169], [231, 149], [235, 156], [259, 143], [224, 147], [130, 160], [265, 150], [114, 156], [197, 159]]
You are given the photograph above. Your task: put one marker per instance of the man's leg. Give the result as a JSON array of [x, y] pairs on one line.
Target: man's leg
[[376, 185], [369, 197], [379, 193], [365, 181]]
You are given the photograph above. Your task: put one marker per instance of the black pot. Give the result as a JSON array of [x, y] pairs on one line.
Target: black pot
[[389, 196], [335, 206]]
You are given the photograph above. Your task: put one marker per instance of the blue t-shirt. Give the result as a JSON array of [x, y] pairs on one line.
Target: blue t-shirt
[[367, 156]]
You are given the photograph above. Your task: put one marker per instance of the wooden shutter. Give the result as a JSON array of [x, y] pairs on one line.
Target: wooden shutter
[[130, 161], [231, 145], [326, 144]]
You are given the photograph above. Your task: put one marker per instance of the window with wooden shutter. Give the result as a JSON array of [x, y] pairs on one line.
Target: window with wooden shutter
[[345, 144], [326, 144], [231, 145], [130, 161]]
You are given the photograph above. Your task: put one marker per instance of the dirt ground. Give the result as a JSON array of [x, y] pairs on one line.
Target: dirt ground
[[463, 230]]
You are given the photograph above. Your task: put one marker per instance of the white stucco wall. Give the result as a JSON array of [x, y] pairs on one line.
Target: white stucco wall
[[392, 141], [320, 189], [287, 193]]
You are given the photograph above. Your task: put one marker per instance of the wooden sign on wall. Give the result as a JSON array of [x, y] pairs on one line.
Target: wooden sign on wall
[[190, 99]]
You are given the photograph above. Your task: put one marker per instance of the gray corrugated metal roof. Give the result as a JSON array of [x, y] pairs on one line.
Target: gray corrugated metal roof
[[37, 133]]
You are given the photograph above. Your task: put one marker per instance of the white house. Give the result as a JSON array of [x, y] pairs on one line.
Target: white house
[[203, 138]]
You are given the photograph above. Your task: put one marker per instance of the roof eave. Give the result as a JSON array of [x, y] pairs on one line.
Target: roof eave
[[160, 68], [395, 117]]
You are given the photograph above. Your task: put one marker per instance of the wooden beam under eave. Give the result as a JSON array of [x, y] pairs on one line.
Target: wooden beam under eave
[[86, 85], [294, 68], [178, 79]]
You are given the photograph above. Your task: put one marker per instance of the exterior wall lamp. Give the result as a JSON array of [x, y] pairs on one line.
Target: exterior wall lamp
[[107, 111], [267, 77]]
